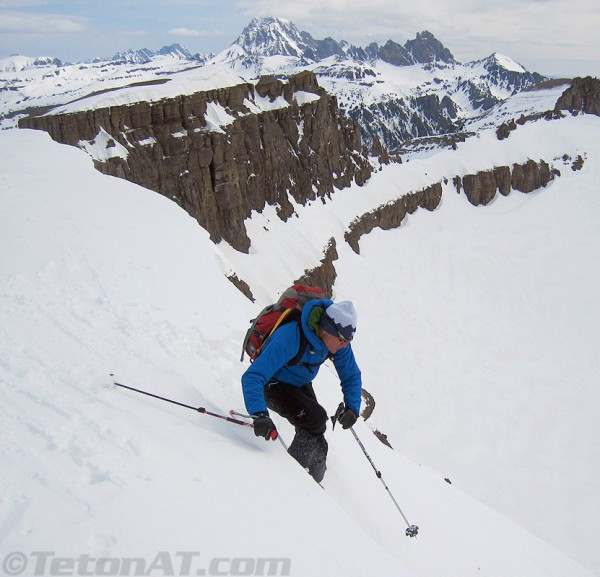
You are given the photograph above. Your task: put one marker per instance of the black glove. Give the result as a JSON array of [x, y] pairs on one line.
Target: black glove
[[347, 418], [264, 426]]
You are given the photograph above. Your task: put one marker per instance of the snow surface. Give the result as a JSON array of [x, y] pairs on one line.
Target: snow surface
[[490, 364], [478, 339], [201, 78], [104, 146], [508, 63]]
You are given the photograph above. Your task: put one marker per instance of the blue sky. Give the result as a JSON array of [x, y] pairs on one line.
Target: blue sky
[[554, 37]]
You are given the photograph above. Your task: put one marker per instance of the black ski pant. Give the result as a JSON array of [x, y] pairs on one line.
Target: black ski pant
[[300, 407]]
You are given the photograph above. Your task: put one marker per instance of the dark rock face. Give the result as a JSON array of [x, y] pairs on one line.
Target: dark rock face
[[378, 150], [368, 404], [578, 164], [480, 95], [481, 188], [323, 276], [399, 119], [220, 175], [242, 286], [504, 130], [425, 49], [391, 215], [582, 96], [503, 179], [395, 54]]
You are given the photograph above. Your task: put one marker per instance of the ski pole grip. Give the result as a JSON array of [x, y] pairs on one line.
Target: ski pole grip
[[274, 435]]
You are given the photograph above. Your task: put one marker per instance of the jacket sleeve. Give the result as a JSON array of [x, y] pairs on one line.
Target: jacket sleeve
[[350, 377], [281, 347]]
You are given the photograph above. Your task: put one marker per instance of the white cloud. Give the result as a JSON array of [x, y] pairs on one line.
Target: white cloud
[[48, 24], [185, 32]]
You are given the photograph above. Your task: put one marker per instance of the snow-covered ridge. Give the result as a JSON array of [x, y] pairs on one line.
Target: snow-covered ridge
[[143, 56], [204, 79], [18, 63]]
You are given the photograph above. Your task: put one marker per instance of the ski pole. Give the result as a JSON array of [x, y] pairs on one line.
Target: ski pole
[[197, 409], [411, 530]]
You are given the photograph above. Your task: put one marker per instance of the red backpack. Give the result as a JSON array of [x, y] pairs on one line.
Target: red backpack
[[287, 309]]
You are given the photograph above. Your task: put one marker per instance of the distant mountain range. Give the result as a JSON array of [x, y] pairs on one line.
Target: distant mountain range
[[394, 92], [144, 55], [274, 37], [17, 62]]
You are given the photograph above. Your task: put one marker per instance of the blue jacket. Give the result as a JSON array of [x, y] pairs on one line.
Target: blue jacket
[[282, 346]]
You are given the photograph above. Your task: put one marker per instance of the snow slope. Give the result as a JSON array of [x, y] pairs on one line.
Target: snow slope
[[485, 362], [494, 356], [101, 276]]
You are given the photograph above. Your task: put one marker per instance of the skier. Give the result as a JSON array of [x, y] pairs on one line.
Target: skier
[[270, 383]]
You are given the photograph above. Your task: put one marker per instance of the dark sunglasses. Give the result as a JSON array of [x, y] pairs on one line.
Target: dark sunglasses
[[343, 339]]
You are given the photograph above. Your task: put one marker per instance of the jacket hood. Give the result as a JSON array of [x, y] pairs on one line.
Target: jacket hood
[[315, 342]]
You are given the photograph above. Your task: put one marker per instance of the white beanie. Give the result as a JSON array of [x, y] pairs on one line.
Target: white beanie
[[343, 317]]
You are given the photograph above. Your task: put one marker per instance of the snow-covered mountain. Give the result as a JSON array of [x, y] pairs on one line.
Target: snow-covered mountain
[[145, 55], [17, 63], [31, 85], [265, 37], [394, 92]]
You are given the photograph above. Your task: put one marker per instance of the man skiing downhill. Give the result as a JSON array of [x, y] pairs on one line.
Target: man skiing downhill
[[270, 383]]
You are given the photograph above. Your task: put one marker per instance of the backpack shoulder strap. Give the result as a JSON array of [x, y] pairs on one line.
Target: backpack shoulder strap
[[301, 350]]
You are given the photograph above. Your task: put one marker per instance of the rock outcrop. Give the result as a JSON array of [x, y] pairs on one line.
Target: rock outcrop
[[481, 188], [582, 96], [220, 172], [391, 215], [323, 276]]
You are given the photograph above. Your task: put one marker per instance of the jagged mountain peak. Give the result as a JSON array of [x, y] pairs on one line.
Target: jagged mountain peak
[[144, 55], [177, 50], [133, 56], [268, 36], [395, 54], [427, 49]]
